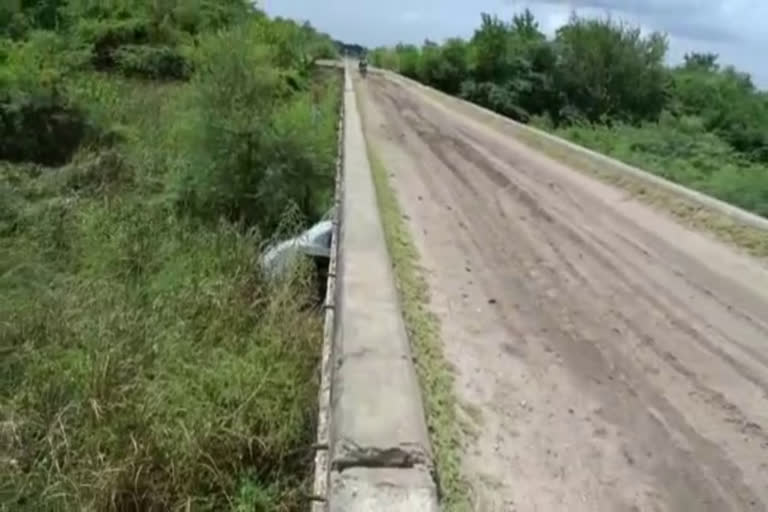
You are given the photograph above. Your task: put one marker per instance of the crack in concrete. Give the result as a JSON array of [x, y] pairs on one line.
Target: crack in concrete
[[403, 456]]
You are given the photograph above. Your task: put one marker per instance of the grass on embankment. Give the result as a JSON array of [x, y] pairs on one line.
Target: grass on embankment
[[424, 334], [146, 364], [752, 240]]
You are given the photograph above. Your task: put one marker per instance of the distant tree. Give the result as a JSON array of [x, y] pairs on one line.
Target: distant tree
[[351, 49], [490, 49], [408, 56], [608, 70], [701, 61], [526, 26], [455, 54], [597, 70], [444, 67]]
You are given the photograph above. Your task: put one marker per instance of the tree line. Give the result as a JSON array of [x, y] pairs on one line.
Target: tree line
[[592, 71]]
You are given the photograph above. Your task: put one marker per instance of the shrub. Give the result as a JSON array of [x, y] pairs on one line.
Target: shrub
[[679, 149], [104, 37], [498, 98], [102, 173], [146, 363], [40, 128], [185, 380], [254, 152], [38, 121], [155, 62]]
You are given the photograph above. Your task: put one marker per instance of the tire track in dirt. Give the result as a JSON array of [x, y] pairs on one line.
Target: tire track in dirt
[[613, 371], [470, 152]]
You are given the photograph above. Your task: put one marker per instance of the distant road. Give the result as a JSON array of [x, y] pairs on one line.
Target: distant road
[[611, 358]]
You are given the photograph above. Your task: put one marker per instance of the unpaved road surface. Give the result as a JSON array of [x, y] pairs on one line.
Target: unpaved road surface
[[609, 358]]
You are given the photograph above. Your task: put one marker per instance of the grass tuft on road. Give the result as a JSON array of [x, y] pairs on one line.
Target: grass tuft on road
[[424, 333]]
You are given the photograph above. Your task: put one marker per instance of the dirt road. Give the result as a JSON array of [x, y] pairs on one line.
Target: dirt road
[[612, 359]]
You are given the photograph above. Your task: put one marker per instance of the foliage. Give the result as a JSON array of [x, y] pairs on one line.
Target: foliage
[[727, 101], [350, 49], [450, 68], [146, 363], [154, 62], [254, 153], [602, 82], [408, 60], [503, 99], [43, 129], [681, 150], [37, 120], [608, 70], [187, 374]]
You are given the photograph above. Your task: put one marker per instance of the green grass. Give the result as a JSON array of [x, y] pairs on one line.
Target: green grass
[[681, 151], [146, 364], [424, 333], [147, 154], [752, 240]]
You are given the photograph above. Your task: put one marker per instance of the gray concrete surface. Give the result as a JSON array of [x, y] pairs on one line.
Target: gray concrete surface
[[735, 213], [379, 452], [322, 456], [377, 489]]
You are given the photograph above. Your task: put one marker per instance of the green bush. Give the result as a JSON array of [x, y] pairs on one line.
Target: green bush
[[38, 121], [146, 362], [603, 83], [503, 100], [385, 58], [13, 24], [682, 151], [255, 153], [159, 63], [105, 37], [186, 377], [101, 174], [42, 129]]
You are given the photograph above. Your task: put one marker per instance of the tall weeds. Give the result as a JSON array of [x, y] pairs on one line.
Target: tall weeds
[[145, 362], [260, 141]]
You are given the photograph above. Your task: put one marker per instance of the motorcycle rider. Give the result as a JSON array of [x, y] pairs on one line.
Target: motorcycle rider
[[363, 65]]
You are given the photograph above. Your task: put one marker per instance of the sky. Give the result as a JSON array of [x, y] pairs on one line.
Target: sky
[[737, 30]]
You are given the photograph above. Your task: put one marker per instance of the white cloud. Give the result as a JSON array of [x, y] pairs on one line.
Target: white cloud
[[734, 29]]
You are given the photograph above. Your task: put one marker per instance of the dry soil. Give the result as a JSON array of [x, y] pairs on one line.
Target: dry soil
[[610, 358]]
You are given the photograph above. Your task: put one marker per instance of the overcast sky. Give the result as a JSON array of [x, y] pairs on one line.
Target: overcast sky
[[737, 30]]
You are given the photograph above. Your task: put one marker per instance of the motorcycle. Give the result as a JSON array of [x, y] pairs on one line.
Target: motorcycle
[[363, 68]]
